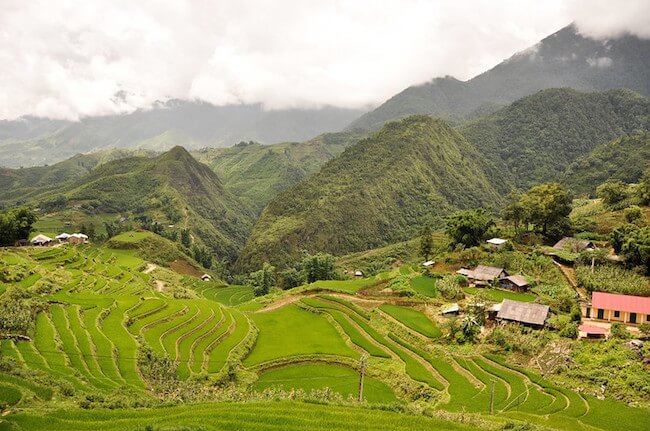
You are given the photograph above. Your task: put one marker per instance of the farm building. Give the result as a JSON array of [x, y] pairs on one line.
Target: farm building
[[63, 237], [574, 244], [590, 331], [206, 277], [358, 273], [78, 238], [450, 309], [428, 263], [497, 242], [484, 275], [617, 308], [526, 313], [41, 239], [517, 283]]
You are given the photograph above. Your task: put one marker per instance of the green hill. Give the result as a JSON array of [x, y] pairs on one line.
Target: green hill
[[536, 138], [172, 189], [377, 192], [257, 173], [623, 159]]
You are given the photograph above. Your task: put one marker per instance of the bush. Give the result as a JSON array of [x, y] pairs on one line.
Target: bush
[[632, 214], [618, 330], [570, 330], [450, 288], [611, 279]]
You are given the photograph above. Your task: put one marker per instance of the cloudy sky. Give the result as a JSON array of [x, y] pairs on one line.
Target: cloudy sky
[[68, 59]]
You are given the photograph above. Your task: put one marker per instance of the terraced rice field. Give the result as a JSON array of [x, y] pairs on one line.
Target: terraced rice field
[[413, 319], [424, 286], [342, 380], [94, 328]]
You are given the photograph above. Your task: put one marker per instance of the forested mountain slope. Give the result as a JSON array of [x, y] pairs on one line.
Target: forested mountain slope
[[536, 138], [257, 173], [563, 59], [622, 159], [379, 191]]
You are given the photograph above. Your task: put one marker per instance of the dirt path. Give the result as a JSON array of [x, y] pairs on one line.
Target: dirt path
[[570, 275], [159, 285], [149, 268], [285, 300]]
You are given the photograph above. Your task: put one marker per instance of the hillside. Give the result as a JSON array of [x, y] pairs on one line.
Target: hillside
[[35, 141], [622, 159], [379, 191], [20, 184], [536, 138], [563, 59], [257, 173], [172, 188]]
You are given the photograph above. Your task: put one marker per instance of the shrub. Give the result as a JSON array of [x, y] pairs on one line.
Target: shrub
[[570, 330], [632, 214], [450, 288], [611, 279], [618, 330]]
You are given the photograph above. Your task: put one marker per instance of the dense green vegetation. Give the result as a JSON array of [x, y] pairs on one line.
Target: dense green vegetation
[[379, 191], [256, 173], [536, 139], [623, 159]]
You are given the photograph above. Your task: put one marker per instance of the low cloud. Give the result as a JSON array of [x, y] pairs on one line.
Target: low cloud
[[69, 59]]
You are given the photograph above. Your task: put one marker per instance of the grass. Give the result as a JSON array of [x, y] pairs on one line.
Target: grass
[[9, 395], [498, 295], [260, 416], [424, 286], [350, 329], [292, 331], [412, 319], [344, 286], [342, 380], [131, 237]]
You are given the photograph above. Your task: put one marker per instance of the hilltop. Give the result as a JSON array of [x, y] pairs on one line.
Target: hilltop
[[170, 189], [256, 173], [379, 191], [563, 59], [536, 138]]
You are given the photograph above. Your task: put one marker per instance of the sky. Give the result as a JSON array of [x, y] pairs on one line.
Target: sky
[[68, 59]]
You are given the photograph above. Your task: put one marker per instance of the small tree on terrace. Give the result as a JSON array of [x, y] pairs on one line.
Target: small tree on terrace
[[613, 193], [514, 213], [469, 227], [426, 242], [319, 266]]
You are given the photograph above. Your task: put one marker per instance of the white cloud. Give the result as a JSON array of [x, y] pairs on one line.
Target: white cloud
[[68, 59], [607, 19]]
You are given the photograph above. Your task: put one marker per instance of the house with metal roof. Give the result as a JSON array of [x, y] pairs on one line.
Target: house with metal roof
[[613, 307], [525, 313]]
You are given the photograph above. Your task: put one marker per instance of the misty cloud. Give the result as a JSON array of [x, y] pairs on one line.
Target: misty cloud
[[70, 59]]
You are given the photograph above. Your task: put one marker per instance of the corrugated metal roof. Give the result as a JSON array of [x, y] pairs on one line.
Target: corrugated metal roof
[[592, 329], [524, 312], [613, 301]]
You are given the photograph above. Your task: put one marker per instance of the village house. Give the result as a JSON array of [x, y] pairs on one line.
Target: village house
[[428, 263], [590, 331], [63, 237], [525, 313], [78, 238], [612, 307], [497, 242], [484, 275], [518, 283], [41, 240], [206, 277], [450, 309], [358, 273], [574, 245]]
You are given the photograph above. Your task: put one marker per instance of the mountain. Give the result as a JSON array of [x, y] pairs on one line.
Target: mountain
[[622, 159], [35, 141], [257, 173], [536, 138], [18, 185], [173, 189], [564, 59], [379, 191]]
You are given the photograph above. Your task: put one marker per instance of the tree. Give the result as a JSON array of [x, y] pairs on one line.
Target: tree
[[636, 248], [613, 193], [319, 266], [513, 212], [290, 278], [469, 227], [620, 234], [643, 188], [262, 280], [16, 224], [186, 239], [547, 208], [632, 214], [202, 255], [426, 242]]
